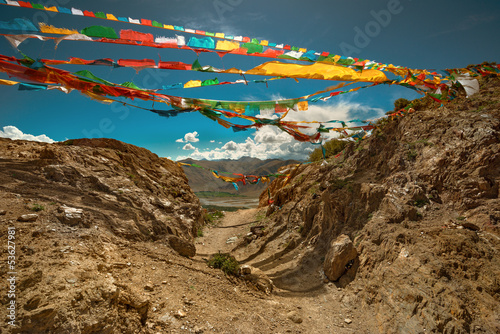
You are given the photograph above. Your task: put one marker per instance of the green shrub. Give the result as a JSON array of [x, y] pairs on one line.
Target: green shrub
[[37, 207], [332, 147], [227, 263], [400, 104]]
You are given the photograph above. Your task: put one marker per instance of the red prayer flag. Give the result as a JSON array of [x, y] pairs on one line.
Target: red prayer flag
[[136, 62], [136, 36], [25, 4], [88, 13], [146, 22]]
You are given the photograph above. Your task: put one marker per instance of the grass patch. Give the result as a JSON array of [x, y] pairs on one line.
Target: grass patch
[[199, 233], [211, 218], [412, 155], [420, 203], [225, 262], [37, 207]]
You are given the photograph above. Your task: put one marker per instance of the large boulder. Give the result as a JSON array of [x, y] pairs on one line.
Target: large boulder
[[339, 256], [182, 246]]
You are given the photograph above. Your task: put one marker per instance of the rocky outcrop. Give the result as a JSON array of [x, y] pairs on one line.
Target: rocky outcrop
[[339, 257], [420, 200], [98, 203]]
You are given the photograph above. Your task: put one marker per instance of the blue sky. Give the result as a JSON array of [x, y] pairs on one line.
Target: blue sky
[[416, 34]]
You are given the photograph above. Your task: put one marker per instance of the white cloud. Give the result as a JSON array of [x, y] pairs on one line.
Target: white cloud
[[188, 146], [190, 137], [230, 146], [269, 142], [212, 141], [12, 132]]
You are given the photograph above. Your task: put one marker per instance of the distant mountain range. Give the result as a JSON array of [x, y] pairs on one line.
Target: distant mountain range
[[203, 180]]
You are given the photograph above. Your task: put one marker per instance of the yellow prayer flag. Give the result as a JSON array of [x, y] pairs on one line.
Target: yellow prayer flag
[[192, 83], [303, 105], [321, 71], [8, 82], [168, 26], [302, 50], [227, 45], [48, 29], [51, 9], [219, 35], [264, 42], [111, 17]]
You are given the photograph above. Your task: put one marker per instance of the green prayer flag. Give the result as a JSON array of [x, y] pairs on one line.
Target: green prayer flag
[[253, 48], [100, 15], [157, 24], [130, 84], [196, 66], [89, 75], [210, 82], [100, 31]]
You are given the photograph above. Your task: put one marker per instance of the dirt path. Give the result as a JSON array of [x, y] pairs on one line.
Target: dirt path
[[321, 310], [215, 239]]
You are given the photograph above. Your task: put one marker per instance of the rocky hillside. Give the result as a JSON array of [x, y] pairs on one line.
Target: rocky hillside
[[81, 209], [203, 180], [407, 220]]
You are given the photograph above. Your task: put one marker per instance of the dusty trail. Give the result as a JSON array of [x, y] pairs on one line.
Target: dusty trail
[[322, 309], [233, 224]]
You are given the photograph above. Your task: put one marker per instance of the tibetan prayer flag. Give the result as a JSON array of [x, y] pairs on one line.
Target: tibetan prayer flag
[[100, 31], [205, 43], [136, 36], [302, 105], [317, 71], [137, 62], [227, 45], [192, 83], [18, 24], [75, 11], [48, 29], [210, 82], [174, 65], [25, 4], [27, 86], [252, 48]]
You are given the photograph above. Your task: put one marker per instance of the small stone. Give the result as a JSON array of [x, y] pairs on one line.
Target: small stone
[[180, 314], [347, 320], [231, 240], [470, 226], [164, 282], [31, 217], [3, 212], [245, 269], [326, 280], [70, 216], [149, 287], [293, 316], [71, 280]]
